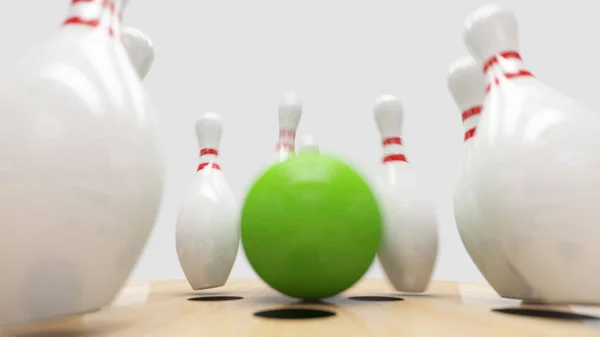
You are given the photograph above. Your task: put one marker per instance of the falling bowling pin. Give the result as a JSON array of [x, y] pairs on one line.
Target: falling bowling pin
[[140, 50], [535, 167], [465, 83], [207, 231], [82, 172], [290, 112], [410, 241]]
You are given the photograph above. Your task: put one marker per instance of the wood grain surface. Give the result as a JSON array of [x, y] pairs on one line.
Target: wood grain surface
[[447, 309]]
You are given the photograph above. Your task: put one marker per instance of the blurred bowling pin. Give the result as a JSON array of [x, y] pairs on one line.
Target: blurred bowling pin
[[207, 227], [535, 165], [140, 50], [308, 143], [409, 247], [290, 112], [465, 82], [82, 171]]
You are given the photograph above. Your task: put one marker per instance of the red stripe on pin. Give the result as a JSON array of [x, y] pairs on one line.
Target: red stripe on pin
[[209, 151], [392, 141], [106, 4], [520, 73], [505, 55], [394, 157], [511, 54], [287, 133], [476, 110], [488, 88], [79, 21], [470, 134], [208, 165]]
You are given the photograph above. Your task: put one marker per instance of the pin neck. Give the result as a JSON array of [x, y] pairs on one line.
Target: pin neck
[[96, 14], [286, 143], [393, 150], [506, 65], [208, 159], [470, 117]]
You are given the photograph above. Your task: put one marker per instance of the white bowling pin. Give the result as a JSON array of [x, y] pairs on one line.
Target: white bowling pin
[[308, 143], [140, 50], [409, 247], [290, 112], [207, 226], [81, 175], [465, 83], [535, 167]]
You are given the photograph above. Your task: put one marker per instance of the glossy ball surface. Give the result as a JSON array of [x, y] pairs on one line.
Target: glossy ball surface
[[311, 226]]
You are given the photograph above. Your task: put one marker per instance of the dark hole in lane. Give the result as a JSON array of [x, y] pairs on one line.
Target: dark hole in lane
[[569, 316], [376, 298], [294, 313], [215, 298]]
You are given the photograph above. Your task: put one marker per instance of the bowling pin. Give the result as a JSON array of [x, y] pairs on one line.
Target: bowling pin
[[140, 50], [82, 172], [308, 143], [207, 231], [465, 83], [409, 247], [290, 112], [535, 167]]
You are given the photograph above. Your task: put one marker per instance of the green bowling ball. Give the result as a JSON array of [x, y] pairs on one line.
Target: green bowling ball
[[311, 226]]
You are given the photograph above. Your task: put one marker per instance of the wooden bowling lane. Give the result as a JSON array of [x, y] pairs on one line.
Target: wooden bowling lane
[[248, 308]]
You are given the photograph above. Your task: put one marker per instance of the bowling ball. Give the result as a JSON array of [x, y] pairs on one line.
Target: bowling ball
[[311, 226]]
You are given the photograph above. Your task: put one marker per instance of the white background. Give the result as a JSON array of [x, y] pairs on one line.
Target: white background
[[238, 57]]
